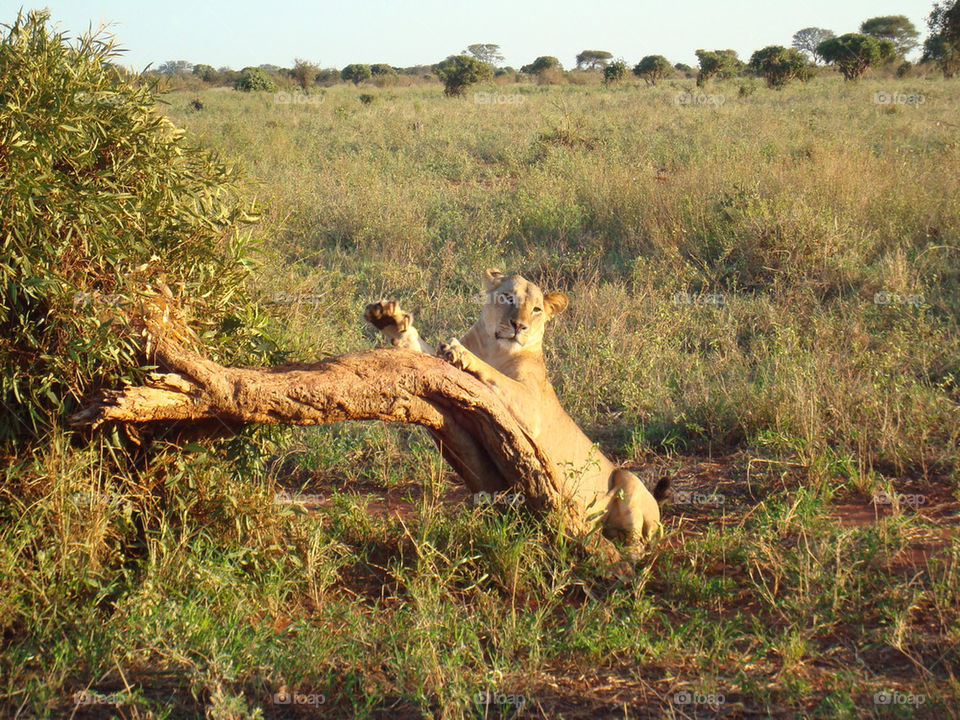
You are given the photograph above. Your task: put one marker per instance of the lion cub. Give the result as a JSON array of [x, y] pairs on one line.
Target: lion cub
[[504, 349]]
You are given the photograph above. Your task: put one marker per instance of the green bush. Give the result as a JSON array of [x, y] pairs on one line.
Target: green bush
[[356, 73], [458, 72], [254, 78], [779, 65], [853, 53], [652, 68], [614, 72], [102, 196]]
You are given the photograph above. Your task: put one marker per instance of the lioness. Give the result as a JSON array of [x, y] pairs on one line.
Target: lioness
[[504, 349]]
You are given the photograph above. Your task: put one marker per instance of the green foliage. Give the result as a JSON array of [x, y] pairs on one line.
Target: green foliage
[[719, 63], [853, 53], [593, 59], [381, 70], [652, 68], [356, 73], [807, 39], [943, 44], [896, 28], [542, 63], [778, 65], [458, 72], [102, 195], [254, 79], [614, 72]]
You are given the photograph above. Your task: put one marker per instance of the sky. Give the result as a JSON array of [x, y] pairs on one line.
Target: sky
[[238, 33]]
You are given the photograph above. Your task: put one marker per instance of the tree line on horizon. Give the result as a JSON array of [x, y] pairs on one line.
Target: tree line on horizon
[[882, 41]]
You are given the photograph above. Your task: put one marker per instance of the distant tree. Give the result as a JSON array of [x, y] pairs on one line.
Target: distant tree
[[382, 69], [304, 72], [254, 78], [722, 63], [206, 73], [808, 38], [614, 72], [175, 67], [488, 53], [778, 65], [896, 28], [328, 76], [593, 59], [943, 45], [356, 73], [458, 72], [544, 62], [652, 68], [853, 53]]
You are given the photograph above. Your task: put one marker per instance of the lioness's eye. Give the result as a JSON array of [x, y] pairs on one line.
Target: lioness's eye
[[538, 309]]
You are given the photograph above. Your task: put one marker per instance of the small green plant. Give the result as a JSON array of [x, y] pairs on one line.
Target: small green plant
[[367, 98]]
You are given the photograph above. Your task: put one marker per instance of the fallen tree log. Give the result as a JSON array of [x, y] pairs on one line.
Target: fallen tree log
[[475, 433]]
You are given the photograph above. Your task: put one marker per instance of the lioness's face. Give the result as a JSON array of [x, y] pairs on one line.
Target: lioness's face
[[516, 311]]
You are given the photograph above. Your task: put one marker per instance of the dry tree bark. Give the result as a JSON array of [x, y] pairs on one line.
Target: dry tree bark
[[475, 433]]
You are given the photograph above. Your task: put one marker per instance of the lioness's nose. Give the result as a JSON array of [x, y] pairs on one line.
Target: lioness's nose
[[518, 326]]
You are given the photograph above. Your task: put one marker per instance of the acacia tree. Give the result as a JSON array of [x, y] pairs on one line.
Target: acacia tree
[[593, 59], [807, 40], [488, 53], [853, 53], [541, 64], [779, 65], [896, 28], [652, 68], [458, 72]]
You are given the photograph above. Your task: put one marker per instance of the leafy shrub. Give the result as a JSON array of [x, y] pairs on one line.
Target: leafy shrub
[[542, 63], [652, 68], [102, 196], [356, 73], [458, 72], [614, 72], [853, 53], [253, 78], [721, 63], [778, 65]]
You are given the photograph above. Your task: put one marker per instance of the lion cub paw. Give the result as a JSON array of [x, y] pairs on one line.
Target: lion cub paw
[[387, 316], [454, 353]]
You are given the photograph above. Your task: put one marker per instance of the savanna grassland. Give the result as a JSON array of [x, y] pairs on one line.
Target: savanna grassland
[[764, 306]]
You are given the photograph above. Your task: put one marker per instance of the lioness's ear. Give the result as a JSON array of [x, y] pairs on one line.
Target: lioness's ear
[[491, 279], [556, 303]]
